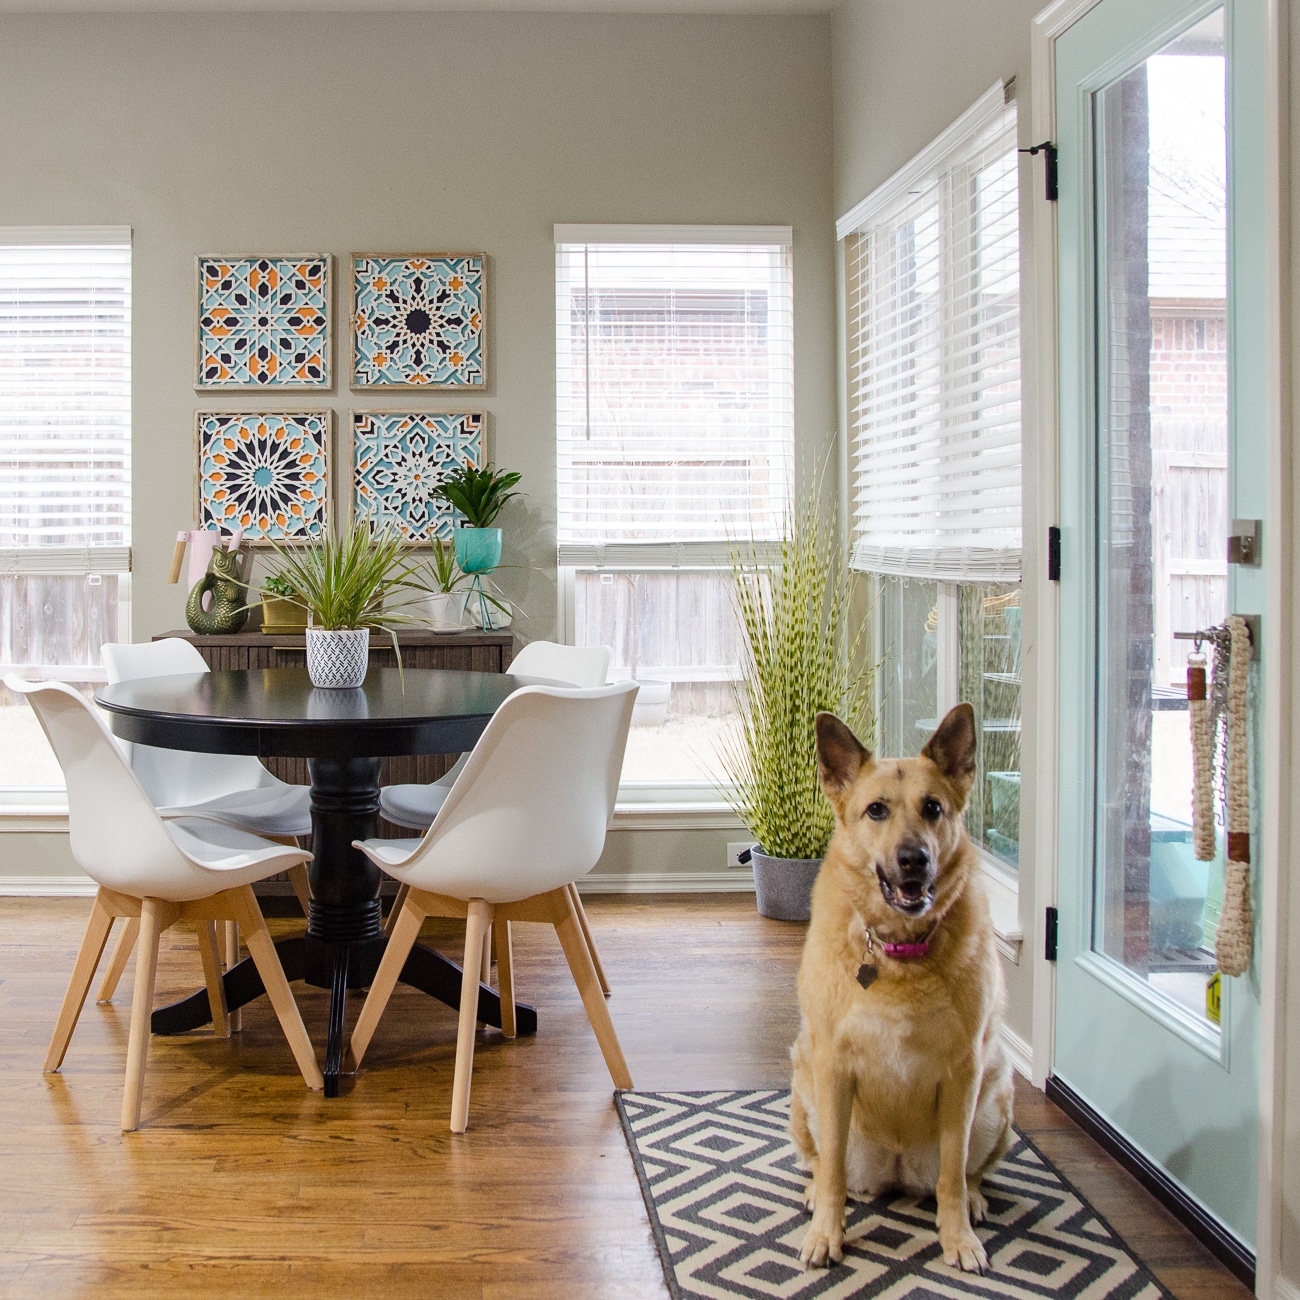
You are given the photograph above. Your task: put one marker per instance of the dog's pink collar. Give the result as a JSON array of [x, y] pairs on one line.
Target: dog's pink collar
[[904, 951]]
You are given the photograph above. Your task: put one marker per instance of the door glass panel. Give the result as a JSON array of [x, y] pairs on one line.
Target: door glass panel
[[1162, 507]]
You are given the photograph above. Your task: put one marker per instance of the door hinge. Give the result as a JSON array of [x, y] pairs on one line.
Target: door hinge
[[1053, 554], [1049, 942], [1048, 150]]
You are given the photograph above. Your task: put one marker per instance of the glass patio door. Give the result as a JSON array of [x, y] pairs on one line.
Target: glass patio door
[[1161, 263]]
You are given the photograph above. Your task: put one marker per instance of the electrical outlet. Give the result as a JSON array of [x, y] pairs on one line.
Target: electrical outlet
[[735, 850]]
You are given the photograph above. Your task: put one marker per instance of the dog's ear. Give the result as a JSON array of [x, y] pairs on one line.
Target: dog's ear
[[840, 756], [952, 747]]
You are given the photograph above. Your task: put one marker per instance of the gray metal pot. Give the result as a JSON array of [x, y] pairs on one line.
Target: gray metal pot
[[784, 885]]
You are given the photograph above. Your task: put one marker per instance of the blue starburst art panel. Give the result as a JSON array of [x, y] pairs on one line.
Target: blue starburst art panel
[[417, 321], [264, 322], [397, 461], [266, 473]]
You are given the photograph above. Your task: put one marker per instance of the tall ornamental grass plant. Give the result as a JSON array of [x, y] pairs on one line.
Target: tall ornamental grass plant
[[800, 656]]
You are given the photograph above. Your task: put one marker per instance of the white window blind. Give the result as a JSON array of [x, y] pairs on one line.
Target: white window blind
[[65, 400], [932, 280], [674, 391]]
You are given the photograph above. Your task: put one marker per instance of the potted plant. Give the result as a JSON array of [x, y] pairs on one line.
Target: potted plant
[[799, 657], [442, 581], [342, 584], [479, 495], [281, 613]]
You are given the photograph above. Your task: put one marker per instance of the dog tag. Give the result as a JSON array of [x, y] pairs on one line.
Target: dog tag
[[867, 975]]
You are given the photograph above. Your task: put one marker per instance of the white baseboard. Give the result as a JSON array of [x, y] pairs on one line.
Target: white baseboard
[[47, 887], [732, 881], [1284, 1290], [1022, 1058]]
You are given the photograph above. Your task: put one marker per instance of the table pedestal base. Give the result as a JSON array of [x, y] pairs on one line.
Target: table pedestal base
[[345, 939], [318, 964]]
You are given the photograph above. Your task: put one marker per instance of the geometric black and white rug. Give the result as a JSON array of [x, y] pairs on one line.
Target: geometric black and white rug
[[725, 1196]]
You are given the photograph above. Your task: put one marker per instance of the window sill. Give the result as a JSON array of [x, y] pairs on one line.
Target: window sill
[[672, 814], [31, 811], [1004, 908]]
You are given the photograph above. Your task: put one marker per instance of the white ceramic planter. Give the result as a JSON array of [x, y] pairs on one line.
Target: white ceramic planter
[[445, 610], [337, 658]]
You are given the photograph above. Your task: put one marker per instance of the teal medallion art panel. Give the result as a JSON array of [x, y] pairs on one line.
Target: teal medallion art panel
[[264, 322], [417, 321], [267, 473], [398, 458]]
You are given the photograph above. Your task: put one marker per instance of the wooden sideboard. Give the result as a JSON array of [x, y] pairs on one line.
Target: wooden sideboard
[[483, 652]]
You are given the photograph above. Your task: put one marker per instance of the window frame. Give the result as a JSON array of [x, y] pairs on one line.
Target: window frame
[[31, 808], [642, 804]]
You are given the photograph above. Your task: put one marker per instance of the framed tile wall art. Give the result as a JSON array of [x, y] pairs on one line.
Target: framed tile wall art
[[264, 322], [417, 320], [397, 460], [266, 472]]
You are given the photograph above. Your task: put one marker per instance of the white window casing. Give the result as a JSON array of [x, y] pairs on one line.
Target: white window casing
[[932, 283]]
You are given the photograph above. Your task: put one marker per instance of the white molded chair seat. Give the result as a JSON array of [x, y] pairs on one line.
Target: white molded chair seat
[[415, 805], [526, 819], [155, 872], [233, 788]]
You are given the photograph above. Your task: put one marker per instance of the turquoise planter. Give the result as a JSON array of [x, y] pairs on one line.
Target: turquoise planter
[[478, 550]]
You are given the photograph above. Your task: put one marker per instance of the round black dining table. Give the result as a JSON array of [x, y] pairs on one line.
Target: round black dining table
[[343, 734]]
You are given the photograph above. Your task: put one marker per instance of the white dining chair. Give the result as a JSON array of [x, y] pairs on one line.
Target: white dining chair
[[416, 805], [525, 820], [235, 789], [157, 872]]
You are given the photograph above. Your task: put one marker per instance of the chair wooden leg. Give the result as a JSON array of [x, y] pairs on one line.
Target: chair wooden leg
[[578, 956], [232, 959], [405, 931], [398, 903], [155, 917], [485, 971], [206, 933], [117, 962], [476, 925], [262, 950], [576, 899], [505, 977], [301, 887], [83, 971]]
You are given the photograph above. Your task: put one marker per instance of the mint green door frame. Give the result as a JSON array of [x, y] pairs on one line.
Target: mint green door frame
[[1187, 1098]]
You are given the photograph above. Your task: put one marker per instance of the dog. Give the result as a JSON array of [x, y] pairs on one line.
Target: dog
[[900, 1078]]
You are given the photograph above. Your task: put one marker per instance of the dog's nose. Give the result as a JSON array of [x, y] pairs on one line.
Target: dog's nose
[[913, 860]]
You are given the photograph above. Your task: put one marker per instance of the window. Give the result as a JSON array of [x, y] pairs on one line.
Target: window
[[933, 330], [675, 430], [65, 473]]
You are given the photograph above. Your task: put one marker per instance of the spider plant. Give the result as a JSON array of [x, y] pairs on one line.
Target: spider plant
[[479, 494], [799, 656], [343, 581]]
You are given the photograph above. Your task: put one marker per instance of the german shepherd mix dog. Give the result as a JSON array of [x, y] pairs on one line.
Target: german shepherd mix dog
[[900, 1080]]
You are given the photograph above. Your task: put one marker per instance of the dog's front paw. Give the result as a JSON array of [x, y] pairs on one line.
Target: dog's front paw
[[962, 1249], [824, 1243], [979, 1207]]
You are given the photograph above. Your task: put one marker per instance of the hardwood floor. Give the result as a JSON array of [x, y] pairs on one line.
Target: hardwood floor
[[241, 1182]]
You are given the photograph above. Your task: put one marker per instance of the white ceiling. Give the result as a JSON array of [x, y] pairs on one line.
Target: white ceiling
[[420, 6]]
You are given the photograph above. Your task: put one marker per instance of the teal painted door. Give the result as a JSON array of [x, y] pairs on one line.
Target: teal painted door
[[1161, 211]]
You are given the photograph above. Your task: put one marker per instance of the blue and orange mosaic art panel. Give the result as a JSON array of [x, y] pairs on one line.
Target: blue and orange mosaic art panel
[[264, 322], [417, 322], [267, 473], [399, 458]]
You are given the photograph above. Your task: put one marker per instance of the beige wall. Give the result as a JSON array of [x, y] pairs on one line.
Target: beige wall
[[903, 70], [334, 132]]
